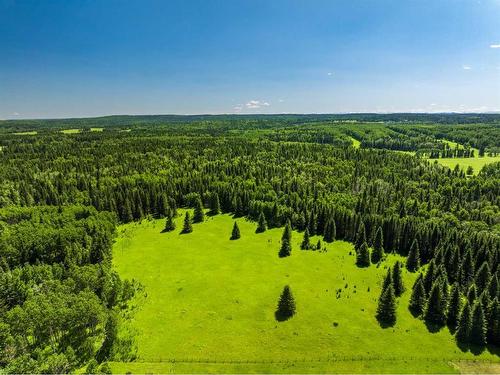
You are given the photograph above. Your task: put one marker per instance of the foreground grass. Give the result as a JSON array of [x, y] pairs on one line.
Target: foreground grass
[[208, 306]]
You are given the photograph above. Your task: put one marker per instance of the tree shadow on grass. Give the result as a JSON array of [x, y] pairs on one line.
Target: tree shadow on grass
[[386, 324], [280, 317], [433, 327]]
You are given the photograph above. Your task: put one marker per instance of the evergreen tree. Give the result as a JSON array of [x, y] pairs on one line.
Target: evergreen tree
[[435, 311], [306, 245], [360, 236], [454, 307], [363, 256], [262, 226], [287, 232], [493, 287], [188, 225], [330, 231], [169, 223], [429, 277], [493, 334], [397, 279], [386, 309], [378, 246], [464, 324], [483, 276], [388, 279], [417, 300], [318, 245], [472, 293], [478, 326], [199, 214], [413, 260], [215, 204], [286, 305], [235, 234]]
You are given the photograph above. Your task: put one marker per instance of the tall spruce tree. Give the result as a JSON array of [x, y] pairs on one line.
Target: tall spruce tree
[[262, 224], [214, 204], [464, 325], [188, 225], [454, 307], [199, 214], [478, 325], [360, 236], [386, 309], [435, 311], [493, 334], [417, 300], [169, 223], [235, 233], [287, 232], [363, 256], [397, 279], [306, 244], [413, 260], [472, 293], [388, 279], [378, 246], [429, 277], [286, 305], [483, 276], [329, 233]]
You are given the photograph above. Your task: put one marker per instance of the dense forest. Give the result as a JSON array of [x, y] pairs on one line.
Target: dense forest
[[62, 195]]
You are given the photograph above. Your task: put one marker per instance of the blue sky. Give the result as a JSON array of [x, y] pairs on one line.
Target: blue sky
[[88, 58]]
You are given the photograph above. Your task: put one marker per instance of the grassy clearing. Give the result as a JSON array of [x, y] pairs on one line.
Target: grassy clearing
[[70, 131], [355, 142], [96, 129], [26, 133], [208, 298], [477, 163]]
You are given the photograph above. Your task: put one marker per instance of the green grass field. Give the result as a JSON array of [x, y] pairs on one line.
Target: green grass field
[[208, 306], [476, 163]]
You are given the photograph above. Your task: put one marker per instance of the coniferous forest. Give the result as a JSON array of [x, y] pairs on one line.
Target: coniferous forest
[[373, 181]]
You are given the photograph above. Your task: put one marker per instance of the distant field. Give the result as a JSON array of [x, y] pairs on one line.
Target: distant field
[[476, 163], [207, 298], [26, 133]]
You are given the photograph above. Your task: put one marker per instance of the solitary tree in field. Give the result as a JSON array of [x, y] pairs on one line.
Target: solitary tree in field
[[464, 325], [188, 225], [435, 311], [386, 309], [235, 234], [378, 247], [454, 307], [413, 260], [363, 256], [262, 226], [397, 279], [169, 223], [478, 327], [417, 300], [306, 244], [285, 249], [318, 245], [286, 305], [199, 214], [287, 232]]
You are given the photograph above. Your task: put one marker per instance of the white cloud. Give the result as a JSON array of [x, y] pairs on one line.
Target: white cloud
[[254, 104], [466, 67], [15, 114], [329, 74], [281, 100], [494, 45]]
